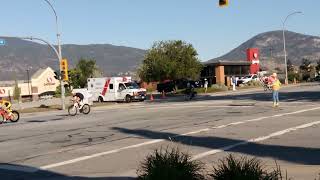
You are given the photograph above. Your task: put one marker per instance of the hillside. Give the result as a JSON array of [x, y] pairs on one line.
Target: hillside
[[18, 55], [298, 46]]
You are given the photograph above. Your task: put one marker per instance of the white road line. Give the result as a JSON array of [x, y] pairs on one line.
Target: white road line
[[262, 138], [50, 166]]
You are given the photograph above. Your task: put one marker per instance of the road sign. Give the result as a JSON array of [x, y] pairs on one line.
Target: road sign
[[2, 42]]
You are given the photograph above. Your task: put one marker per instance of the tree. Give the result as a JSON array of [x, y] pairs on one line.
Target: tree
[[290, 66], [86, 68], [16, 91], [318, 66], [305, 65], [306, 69], [170, 60]]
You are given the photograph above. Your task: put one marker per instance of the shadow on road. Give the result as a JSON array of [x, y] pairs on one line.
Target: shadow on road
[[19, 172], [299, 155]]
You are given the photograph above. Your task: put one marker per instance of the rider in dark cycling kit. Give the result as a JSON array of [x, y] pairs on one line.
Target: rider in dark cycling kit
[[78, 97]]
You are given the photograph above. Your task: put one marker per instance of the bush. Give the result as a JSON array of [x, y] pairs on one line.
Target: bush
[[292, 75], [253, 83], [170, 165], [243, 169], [219, 87]]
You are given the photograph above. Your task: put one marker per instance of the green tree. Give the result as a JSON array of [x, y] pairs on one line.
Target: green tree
[[306, 69], [85, 68], [16, 91], [290, 66], [318, 66], [172, 60], [305, 65]]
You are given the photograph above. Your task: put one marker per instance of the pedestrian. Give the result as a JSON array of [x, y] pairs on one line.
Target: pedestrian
[[205, 85], [234, 83], [275, 84]]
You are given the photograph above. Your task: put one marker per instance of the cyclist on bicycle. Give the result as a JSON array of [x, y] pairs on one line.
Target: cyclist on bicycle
[[6, 106], [190, 89], [78, 98]]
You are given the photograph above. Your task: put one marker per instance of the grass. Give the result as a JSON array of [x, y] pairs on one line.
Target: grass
[[170, 164], [243, 169]]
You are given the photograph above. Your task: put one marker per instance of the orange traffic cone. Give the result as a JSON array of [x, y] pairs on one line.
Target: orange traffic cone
[[151, 97]]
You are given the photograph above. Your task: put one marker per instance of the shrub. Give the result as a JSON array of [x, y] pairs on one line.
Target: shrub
[[253, 83], [219, 87], [170, 165], [243, 169]]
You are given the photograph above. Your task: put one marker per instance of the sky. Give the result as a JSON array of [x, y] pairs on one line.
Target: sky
[[212, 30]]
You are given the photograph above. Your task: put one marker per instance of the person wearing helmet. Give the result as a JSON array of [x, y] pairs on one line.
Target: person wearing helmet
[[6, 106], [78, 98]]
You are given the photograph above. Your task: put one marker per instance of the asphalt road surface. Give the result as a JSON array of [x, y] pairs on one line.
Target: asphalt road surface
[[110, 142]]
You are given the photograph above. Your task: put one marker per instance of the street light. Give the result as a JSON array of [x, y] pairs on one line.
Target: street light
[[284, 43], [59, 52]]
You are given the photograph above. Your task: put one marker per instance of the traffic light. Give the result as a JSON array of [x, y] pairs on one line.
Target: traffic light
[[223, 3], [57, 75], [64, 70]]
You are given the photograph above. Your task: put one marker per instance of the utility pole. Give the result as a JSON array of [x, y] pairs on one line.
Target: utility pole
[[28, 82], [284, 44], [60, 55]]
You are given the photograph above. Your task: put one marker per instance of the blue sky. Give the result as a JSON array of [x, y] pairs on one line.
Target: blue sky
[[212, 30]]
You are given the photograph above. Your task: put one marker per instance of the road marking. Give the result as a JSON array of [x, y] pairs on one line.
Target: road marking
[[18, 168], [75, 160], [262, 138]]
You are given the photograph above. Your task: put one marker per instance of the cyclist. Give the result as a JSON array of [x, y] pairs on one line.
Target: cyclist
[[6, 106], [78, 97]]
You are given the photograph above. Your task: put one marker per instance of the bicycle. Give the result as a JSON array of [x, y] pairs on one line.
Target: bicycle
[[73, 109], [13, 117], [190, 94]]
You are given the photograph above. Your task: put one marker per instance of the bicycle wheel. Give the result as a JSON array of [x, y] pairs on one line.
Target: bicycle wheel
[[86, 109], [72, 110], [15, 116]]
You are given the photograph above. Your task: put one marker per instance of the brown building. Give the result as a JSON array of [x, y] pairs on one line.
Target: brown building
[[218, 72]]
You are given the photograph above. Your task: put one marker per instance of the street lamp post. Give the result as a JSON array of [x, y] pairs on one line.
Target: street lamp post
[[284, 43], [60, 54], [28, 81]]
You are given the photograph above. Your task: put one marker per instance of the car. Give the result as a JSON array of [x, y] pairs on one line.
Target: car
[[317, 78], [248, 78]]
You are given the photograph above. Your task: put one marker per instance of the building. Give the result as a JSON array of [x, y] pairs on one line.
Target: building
[[41, 83], [220, 71]]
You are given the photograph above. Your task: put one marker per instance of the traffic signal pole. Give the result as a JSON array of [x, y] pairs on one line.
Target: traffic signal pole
[[60, 55], [61, 80]]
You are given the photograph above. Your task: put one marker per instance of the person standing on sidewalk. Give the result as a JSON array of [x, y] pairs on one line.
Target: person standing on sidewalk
[[276, 84], [205, 85]]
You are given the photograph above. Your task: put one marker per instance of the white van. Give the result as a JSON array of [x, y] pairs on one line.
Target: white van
[[115, 89]]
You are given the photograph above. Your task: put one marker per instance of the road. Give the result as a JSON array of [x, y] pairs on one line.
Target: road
[[110, 142]]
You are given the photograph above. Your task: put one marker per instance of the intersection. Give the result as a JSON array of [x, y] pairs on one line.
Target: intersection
[[110, 142]]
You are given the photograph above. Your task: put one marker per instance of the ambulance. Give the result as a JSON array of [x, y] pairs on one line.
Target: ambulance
[[115, 89]]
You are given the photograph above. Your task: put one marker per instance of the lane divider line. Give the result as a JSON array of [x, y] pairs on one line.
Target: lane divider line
[[75, 160], [258, 139]]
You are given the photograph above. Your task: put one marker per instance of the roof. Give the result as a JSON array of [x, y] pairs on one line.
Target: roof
[[228, 63], [38, 73]]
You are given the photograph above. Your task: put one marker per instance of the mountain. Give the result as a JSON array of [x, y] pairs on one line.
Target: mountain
[[298, 46], [19, 55]]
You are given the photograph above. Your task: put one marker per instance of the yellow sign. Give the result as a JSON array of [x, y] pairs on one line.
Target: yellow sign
[[223, 3], [64, 69]]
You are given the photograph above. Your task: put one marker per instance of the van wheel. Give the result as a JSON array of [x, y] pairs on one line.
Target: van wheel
[[100, 100], [128, 99]]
